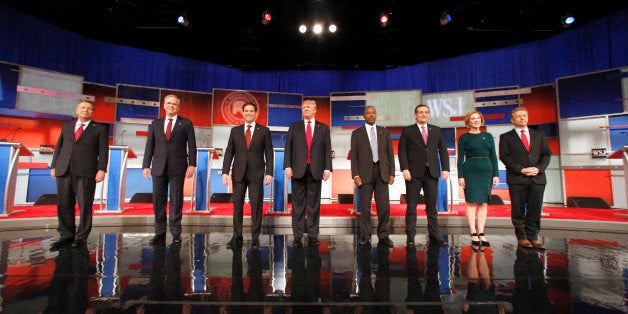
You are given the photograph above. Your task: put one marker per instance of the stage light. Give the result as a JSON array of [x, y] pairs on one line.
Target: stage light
[[332, 28], [568, 20], [384, 18], [267, 17], [317, 29], [445, 18], [183, 19], [302, 28]]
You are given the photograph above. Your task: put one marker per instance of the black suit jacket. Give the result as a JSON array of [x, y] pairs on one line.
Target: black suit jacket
[[515, 157], [178, 152], [295, 155], [362, 156], [258, 156], [414, 153], [88, 154]]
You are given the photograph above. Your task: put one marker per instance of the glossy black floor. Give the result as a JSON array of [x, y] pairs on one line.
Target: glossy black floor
[[119, 272]]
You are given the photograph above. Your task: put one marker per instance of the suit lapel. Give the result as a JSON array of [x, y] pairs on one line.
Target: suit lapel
[[256, 134]]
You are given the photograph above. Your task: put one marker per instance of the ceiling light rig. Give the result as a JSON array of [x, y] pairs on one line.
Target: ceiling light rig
[[267, 17], [568, 20], [183, 19], [318, 28], [384, 18], [445, 18]]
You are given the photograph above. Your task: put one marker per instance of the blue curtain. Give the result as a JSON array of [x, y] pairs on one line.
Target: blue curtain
[[601, 45]]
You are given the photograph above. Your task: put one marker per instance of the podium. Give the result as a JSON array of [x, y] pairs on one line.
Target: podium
[[116, 178], [202, 182], [9, 157], [622, 153]]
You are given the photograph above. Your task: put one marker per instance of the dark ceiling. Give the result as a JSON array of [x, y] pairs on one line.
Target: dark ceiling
[[231, 32]]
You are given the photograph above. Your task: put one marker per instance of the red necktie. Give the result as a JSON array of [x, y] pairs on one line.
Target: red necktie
[[424, 133], [247, 135], [525, 141], [169, 129], [308, 136], [78, 132]]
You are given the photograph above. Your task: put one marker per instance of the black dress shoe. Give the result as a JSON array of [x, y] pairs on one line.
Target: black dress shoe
[[158, 239], [176, 240], [255, 244], [313, 242], [78, 244], [297, 242], [438, 242], [61, 244], [386, 242]]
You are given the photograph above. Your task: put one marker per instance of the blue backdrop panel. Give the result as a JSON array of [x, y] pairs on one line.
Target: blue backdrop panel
[[278, 138], [283, 109], [136, 183], [138, 93], [39, 183], [8, 85], [590, 95], [449, 134], [350, 107], [493, 110], [136, 112], [278, 182], [618, 131]]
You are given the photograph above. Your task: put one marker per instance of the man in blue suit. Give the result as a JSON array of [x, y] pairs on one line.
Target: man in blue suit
[[171, 149]]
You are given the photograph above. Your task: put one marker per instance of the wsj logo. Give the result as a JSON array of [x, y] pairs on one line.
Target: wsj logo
[[446, 107]]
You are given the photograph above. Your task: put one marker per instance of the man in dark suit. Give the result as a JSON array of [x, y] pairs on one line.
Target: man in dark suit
[[373, 169], [251, 150], [307, 161], [78, 163], [171, 148], [422, 154], [525, 153]]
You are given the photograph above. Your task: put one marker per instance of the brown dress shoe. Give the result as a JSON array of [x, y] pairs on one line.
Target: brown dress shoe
[[525, 243], [538, 245]]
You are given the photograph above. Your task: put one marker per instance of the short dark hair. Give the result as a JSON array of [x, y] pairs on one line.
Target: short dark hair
[[419, 106], [249, 104]]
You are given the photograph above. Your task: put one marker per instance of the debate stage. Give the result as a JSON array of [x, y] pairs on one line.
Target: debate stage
[[583, 269]]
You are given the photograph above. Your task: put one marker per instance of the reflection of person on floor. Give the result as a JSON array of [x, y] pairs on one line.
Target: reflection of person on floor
[[431, 293], [480, 287], [306, 279], [68, 289], [256, 287], [164, 281], [381, 291], [530, 288]]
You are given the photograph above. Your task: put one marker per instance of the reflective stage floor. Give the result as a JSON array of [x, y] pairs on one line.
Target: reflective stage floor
[[119, 272]]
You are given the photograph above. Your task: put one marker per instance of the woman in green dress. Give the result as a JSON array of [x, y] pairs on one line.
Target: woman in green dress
[[477, 174]]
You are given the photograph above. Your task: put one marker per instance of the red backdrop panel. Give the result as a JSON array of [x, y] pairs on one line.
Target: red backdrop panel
[[541, 104], [105, 111], [227, 106], [194, 106], [598, 184], [323, 109], [33, 132]]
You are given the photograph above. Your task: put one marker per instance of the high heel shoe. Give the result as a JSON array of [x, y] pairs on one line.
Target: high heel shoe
[[476, 243], [484, 243]]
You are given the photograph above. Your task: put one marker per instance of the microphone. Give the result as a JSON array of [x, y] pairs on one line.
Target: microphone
[[13, 132], [120, 137]]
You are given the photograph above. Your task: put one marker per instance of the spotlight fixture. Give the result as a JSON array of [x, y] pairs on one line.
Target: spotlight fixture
[[183, 19], [267, 17], [302, 28], [568, 20], [445, 18], [317, 29], [384, 18], [332, 28]]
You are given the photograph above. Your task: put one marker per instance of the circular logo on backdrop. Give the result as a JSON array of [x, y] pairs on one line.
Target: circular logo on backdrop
[[231, 106]]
